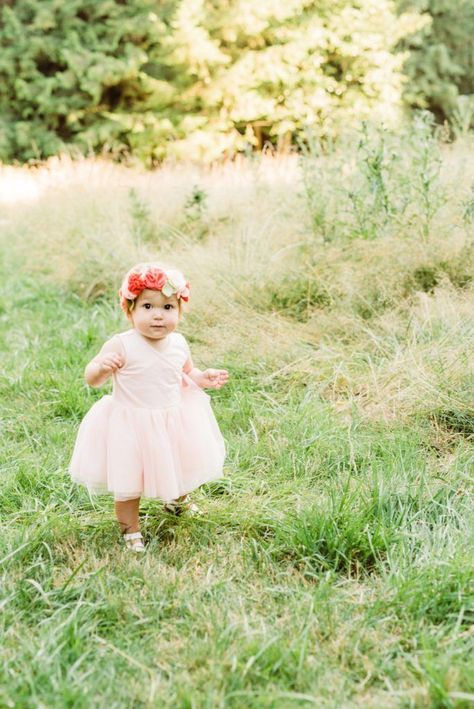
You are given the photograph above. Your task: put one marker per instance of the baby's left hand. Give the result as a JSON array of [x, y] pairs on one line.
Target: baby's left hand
[[214, 378]]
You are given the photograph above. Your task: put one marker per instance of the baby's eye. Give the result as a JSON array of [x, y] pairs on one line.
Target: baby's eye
[[168, 306], [147, 306]]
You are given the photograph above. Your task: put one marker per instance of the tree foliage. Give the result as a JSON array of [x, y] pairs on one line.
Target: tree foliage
[[441, 60], [196, 78], [69, 72]]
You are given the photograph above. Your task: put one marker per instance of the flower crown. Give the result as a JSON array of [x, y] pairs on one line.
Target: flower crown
[[155, 277]]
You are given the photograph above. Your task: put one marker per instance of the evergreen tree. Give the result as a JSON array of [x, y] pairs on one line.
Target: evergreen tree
[[75, 73]]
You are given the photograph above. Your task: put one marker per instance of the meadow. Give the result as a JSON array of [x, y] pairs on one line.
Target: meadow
[[333, 564]]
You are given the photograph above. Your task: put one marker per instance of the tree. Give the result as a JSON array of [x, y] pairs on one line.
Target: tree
[[441, 60], [193, 77]]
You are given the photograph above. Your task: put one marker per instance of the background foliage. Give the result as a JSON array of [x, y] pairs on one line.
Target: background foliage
[[202, 78], [441, 61]]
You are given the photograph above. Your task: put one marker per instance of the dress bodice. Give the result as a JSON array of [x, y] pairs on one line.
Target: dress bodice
[[150, 378]]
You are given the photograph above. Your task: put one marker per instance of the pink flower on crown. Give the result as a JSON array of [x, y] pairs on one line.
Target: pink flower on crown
[[184, 293]]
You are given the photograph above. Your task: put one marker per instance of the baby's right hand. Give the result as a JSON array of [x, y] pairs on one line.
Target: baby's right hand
[[109, 363]]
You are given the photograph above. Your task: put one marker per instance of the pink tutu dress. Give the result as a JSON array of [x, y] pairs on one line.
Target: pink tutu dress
[[156, 435]]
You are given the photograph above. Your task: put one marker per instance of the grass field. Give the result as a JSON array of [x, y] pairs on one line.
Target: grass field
[[334, 564]]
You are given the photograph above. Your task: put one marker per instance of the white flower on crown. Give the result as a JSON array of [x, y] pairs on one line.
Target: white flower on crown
[[176, 284]]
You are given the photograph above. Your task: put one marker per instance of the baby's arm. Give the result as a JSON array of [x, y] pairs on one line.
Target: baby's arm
[[110, 358], [210, 378]]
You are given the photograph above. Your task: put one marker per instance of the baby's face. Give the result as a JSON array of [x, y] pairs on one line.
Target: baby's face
[[154, 314]]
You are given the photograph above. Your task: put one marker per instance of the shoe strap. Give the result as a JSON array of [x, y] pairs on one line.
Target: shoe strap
[[133, 535]]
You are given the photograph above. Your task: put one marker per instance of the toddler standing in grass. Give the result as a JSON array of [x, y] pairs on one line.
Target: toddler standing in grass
[[156, 435]]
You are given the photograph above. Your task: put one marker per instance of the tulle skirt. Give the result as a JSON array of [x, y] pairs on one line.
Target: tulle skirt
[[157, 453]]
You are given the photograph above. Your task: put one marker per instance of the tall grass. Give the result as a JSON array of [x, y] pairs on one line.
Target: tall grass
[[333, 565]]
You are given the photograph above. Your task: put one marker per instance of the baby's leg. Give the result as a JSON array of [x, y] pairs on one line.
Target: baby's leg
[[126, 512]]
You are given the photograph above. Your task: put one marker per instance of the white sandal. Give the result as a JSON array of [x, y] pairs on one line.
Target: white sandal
[[134, 541], [179, 507]]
